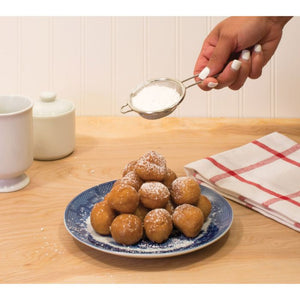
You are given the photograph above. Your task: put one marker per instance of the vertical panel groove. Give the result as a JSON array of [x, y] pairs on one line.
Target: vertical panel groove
[[145, 48], [50, 54], [177, 50], [83, 43], [177, 40], [274, 102], [53, 87], [85, 95], [113, 66], [19, 58], [241, 103], [79, 107], [272, 86]]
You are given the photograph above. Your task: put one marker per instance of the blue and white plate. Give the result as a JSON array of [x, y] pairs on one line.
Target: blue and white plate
[[77, 222]]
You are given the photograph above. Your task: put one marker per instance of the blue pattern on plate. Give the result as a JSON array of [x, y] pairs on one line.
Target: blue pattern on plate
[[77, 223]]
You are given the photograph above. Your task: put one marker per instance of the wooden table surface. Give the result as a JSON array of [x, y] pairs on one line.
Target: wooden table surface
[[35, 247]]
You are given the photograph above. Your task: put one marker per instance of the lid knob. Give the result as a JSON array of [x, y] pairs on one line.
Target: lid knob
[[48, 96]]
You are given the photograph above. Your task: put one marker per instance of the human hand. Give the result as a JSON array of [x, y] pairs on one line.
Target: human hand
[[253, 40]]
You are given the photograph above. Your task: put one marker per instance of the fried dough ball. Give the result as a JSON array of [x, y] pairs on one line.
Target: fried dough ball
[[185, 190], [131, 178], [123, 198], [101, 217], [129, 167], [151, 167], [158, 225], [205, 205], [169, 178], [141, 211], [127, 229], [154, 194], [188, 219]]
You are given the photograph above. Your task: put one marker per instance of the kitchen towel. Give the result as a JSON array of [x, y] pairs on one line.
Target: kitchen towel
[[263, 175]]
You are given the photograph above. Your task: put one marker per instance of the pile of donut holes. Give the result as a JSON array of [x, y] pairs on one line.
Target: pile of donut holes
[[149, 200]]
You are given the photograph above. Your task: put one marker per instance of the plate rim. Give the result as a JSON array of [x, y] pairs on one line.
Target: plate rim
[[147, 255]]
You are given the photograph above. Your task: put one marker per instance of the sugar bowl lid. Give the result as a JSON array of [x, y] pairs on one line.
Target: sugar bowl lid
[[50, 106]]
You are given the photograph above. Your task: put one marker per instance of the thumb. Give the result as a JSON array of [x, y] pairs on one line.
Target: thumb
[[218, 58]]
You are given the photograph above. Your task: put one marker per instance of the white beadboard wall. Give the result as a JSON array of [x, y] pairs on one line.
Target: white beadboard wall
[[97, 61]]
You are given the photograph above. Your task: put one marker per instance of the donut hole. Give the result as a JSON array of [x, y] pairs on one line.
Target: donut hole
[[154, 194], [158, 225], [185, 190], [151, 167], [127, 229], [101, 217], [123, 198], [188, 219]]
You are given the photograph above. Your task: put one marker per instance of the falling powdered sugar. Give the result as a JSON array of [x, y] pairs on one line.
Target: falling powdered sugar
[[155, 98]]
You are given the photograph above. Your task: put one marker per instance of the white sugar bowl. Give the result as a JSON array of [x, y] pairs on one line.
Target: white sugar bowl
[[53, 127]]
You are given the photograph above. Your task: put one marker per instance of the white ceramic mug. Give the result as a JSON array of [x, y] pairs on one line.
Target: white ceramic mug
[[16, 142]]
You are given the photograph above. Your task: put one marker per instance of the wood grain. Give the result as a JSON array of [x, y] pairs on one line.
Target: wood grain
[[36, 248]]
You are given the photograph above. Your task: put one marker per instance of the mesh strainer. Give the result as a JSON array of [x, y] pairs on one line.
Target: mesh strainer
[[165, 82]]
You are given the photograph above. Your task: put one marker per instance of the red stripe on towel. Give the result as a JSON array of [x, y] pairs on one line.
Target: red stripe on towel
[[274, 200], [281, 155], [237, 176], [259, 164]]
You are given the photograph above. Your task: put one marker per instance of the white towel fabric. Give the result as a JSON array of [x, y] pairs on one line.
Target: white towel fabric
[[263, 175]]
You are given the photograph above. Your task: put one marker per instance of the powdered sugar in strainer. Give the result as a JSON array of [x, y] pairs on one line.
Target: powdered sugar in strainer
[[152, 92]]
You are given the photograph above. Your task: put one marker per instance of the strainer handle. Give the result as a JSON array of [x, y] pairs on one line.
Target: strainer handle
[[197, 82], [123, 111], [190, 79]]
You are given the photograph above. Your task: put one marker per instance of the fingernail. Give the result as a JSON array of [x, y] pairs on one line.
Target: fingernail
[[204, 73], [236, 64], [257, 48], [245, 54], [212, 84]]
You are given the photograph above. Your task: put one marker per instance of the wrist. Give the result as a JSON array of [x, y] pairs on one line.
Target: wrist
[[280, 20]]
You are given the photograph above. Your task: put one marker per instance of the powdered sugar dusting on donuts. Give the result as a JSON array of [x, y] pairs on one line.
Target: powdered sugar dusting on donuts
[[185, 190], [129, 167], [151, 166], [155, 189], [180, 209], [158, 225], [181, 182], [154, 194], [131, 223], [144, 246], [158, 216], [131, 178]]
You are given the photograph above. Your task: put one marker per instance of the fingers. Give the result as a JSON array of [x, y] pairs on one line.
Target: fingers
[[229, 75], [218, 58], [257, 62], [214, 54], [245, 59], [226, 78], [236, 72], [208, 83], [203, 58]]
